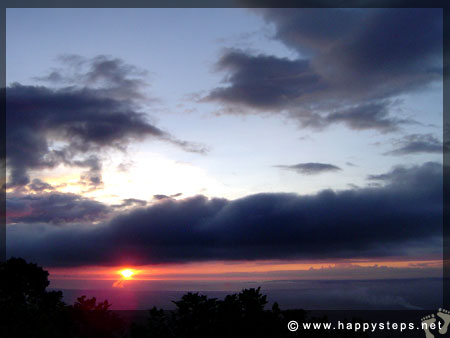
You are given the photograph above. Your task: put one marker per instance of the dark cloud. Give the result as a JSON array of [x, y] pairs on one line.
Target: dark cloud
[[401, 217], [310, 168], [264, 81], [94, 175], [368, 116], [98, 108], [39, 185], [406, 179], [351, 63], [110, 77], [54, 208], [161, 197], [417, 144], [130, 202]]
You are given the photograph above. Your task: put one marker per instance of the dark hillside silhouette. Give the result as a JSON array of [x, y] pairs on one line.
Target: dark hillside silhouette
[[28, 310], [238, 315]]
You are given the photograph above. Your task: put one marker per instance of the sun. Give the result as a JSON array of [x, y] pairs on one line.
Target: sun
[[127, 273]]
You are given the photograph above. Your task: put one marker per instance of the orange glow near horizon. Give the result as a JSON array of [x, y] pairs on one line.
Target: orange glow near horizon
[[251, 270]]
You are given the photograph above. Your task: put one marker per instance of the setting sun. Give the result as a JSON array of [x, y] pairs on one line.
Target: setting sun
[[127, 273]]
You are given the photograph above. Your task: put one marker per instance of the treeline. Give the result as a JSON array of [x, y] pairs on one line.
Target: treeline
[[28, 310]]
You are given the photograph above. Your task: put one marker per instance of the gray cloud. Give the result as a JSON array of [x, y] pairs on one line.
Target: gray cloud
[[342, 74], [54, 208], [161, 197], [417, 144], [368, 116], [264, 81], [406, 179], [310, 168], [39, 185], [402, 217], [110, 77], [98, 108], [130, 202]]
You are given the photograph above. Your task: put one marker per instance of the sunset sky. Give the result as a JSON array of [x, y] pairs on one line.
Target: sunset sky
[[225, 144]]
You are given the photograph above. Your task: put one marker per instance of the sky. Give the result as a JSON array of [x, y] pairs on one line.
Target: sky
[[225, 144]]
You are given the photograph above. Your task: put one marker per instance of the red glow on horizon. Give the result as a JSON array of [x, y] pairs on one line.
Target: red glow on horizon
[[246, 270]]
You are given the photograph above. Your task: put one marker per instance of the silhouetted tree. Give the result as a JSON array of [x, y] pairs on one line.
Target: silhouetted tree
[[237, 315], [195, 316], [91, 319], [26, 308], [158, 325]]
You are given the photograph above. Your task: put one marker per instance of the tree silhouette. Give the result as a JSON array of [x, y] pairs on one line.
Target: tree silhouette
[[196, 315], [237, 315], [26, 308], [91, 319]]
